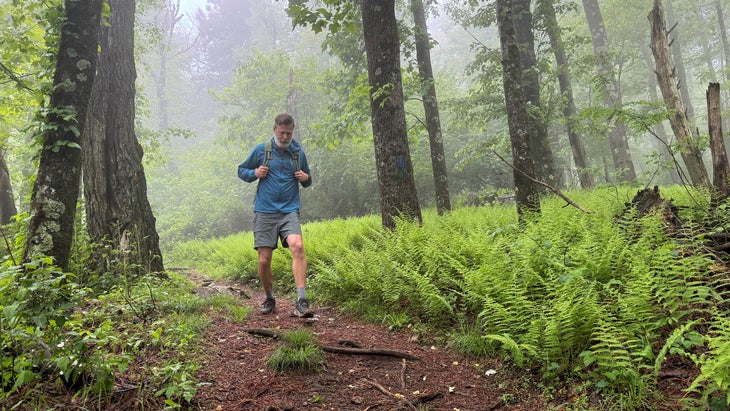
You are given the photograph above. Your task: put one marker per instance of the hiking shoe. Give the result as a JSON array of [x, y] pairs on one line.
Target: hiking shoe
[[268, 307], [302, 310]]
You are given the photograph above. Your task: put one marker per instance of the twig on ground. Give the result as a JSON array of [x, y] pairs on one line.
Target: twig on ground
[[403, 375], [400, 398]]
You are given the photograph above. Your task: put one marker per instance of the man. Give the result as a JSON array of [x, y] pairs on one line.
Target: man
[[280, 166]]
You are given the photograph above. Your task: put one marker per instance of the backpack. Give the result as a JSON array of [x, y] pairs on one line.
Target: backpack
[[269, 154]]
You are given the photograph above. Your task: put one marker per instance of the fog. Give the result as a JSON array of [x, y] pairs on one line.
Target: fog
[[211, 83]]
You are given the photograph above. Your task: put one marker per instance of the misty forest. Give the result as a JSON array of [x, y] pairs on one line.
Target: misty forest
[[540, 182]]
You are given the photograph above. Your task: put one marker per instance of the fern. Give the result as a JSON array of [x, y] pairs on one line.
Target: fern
[[615, 358], [714, 378], [674, 339], [568, 324], [520, 352], [569, 287]]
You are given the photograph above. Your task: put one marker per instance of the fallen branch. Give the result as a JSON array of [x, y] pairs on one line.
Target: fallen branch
[[403, 375], [338, 350], [399, 397], [546, 185]]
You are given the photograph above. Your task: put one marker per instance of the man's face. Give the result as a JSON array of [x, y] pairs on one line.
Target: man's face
[[283, 135]]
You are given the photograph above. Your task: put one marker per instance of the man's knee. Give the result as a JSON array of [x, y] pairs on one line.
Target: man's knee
[[264, 257], [295, 244]]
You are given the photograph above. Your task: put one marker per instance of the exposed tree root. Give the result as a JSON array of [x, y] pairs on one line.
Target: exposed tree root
[[339, 350]]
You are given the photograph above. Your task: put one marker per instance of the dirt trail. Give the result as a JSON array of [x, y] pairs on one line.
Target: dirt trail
[[237, 377]]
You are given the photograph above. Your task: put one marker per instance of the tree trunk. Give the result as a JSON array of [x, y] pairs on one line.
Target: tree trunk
[[680, 71], [542, 154], [115, 187], [526, 194], [668, 85], [56, 189], [723, 37], [7, 201], [392, 156], [661, 142], [720, 167], [291, 103], [430, 108], [617, 139], [725, 47], [566, 90], [165, 20]]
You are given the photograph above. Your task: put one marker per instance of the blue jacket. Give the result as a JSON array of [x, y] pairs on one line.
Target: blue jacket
[[278, 192]]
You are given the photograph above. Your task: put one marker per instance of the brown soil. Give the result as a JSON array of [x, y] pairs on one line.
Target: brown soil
[[238, 377]]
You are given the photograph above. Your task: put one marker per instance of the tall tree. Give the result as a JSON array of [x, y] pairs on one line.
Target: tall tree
[[166, 19], [722, 28], [527, 196], [542, 154], [430, 107], [56, 189], [115, 187], [392, 155], [666, 76], [547, 10], [7, 201], [610, 90]]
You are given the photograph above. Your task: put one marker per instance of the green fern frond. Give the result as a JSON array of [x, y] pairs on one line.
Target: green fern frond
[[674, 339], [520, 352], [715, 363]]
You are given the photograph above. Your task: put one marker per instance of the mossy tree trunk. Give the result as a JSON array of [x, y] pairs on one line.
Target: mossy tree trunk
[[527, 196], [7, 200], [56, 189], [542, 154]]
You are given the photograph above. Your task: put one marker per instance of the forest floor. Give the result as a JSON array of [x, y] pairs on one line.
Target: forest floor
[[237, 376]]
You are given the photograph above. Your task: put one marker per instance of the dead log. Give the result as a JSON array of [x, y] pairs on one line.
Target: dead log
[[339, 350], [648, 201]]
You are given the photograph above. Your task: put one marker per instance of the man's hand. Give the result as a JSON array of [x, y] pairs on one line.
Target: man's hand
[[301, 176], [261, 172]]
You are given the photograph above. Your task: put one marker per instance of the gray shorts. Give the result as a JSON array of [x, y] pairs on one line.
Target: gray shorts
[[268, 228]]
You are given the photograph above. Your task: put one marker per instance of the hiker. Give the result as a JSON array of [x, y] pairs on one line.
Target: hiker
[[280, 166]]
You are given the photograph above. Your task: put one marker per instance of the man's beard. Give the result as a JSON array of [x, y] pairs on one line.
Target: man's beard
[[281, 144]]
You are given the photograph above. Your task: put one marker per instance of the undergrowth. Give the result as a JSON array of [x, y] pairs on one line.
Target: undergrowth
[[578, 296], [63, 342]]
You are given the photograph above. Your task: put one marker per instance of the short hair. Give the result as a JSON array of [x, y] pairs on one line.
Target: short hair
[[284, 119]]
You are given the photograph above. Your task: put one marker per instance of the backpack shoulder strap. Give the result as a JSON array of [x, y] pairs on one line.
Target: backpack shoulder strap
[[267, 154], [295, 157]]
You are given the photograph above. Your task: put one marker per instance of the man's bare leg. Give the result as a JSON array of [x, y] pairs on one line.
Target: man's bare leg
[[266, 276], [299, 269]]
